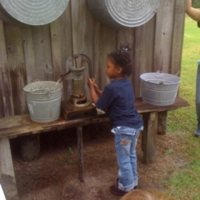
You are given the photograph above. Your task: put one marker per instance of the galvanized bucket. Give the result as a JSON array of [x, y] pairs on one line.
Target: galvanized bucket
[[44, 100], [159, 89], [123, 13], [36, 12]]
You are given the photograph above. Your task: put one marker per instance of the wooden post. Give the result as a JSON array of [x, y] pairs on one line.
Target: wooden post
[[7, 175], [6, 98], [80, 153], [162, 123], [30, 147], [149, 136]]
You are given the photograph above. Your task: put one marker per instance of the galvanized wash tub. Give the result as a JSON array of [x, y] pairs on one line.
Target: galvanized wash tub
[[123, 13], [159, 89], [36, 12], [44, 100]]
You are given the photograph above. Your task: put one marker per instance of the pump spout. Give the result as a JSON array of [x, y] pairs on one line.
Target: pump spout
[[90, 70]]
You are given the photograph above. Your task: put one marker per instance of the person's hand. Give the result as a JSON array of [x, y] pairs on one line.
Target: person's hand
[[97, 90], [91, 83]]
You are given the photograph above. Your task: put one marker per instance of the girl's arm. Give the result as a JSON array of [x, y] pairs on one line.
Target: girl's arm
[[98, 91], [93, 94], [192, 12]]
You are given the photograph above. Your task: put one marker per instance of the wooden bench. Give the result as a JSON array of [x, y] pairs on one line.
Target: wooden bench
[[21, 125]]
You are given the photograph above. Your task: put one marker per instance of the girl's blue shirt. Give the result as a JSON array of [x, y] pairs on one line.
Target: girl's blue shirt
[[118, 100]]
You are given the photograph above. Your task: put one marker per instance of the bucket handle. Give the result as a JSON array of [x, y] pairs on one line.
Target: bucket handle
[[158, 72], [163, 83]]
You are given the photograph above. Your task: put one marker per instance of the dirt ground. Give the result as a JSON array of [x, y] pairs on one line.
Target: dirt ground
[[54, 176]]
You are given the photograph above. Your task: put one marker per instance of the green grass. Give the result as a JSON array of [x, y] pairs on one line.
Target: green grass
[[184, 184]]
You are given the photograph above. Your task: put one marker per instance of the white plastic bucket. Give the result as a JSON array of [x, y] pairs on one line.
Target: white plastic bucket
[[44, 100], [159, 89]]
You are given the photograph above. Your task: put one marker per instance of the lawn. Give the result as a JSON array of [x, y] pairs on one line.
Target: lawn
[[184, 184]]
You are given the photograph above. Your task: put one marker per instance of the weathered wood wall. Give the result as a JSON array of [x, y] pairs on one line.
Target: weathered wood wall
[[40, 53]]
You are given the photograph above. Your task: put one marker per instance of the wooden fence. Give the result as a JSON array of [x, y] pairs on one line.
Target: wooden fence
[[41, 52]]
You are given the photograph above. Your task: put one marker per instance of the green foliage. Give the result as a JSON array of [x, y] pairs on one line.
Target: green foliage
[[169, 151], [184, 183], [68, 157]]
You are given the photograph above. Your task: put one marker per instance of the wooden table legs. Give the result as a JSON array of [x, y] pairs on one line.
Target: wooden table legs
[[7, 174], [149, 136], [80, 153]]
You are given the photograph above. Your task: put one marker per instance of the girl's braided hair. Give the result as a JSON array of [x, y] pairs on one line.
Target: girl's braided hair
[[121, 58]]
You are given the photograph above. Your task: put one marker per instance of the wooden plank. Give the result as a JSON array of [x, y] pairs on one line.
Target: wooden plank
[[125, 37], [177, 38], [61, 47], [7, 175], [17, 67], [149, 136], [108, 41], [6, 102], [163, 34], [56, 36], [98, 63], [22, 124], [89, 37], [143, 52], [29, 54], [42, 52], [79, 131], [144, 107]]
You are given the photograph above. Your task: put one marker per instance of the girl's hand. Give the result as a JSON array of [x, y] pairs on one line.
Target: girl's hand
[[91, 83]]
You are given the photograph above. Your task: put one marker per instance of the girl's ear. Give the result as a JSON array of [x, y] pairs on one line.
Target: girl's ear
[[119, 70]]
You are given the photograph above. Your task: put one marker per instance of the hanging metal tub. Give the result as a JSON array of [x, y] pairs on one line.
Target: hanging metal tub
[[123, 13], [37, 12]]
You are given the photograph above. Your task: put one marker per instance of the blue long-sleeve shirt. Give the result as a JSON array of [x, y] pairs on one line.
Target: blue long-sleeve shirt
[[118, 100]]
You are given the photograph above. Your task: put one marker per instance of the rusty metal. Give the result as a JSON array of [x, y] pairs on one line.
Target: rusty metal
[[78, 98]]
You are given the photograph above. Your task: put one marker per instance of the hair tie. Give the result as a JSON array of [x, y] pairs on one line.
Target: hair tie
[[124, 49]]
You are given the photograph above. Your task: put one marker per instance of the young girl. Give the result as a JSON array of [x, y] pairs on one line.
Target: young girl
[[117, 100], [145, 195]]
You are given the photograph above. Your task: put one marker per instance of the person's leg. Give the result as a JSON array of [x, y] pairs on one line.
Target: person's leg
[[133, 157], [123, 142]]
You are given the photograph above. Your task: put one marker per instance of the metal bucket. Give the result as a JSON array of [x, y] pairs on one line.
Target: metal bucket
[[36, 12], [123, 13], [44, 100], [159, 89]]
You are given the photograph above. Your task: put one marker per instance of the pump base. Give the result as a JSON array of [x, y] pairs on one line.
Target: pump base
[[70, 112]]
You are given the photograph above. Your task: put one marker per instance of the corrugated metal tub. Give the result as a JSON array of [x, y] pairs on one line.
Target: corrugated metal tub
[[44, 100], [159, 89]]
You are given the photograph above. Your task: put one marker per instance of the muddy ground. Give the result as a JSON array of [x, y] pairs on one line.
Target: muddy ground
[[54, 176]]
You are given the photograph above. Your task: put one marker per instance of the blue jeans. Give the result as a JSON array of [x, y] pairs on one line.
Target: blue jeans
[[125, 144]]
